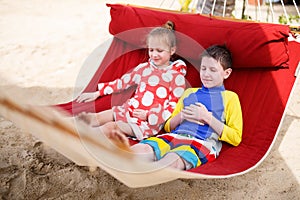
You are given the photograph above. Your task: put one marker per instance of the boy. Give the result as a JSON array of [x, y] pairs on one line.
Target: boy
[[203, 117]]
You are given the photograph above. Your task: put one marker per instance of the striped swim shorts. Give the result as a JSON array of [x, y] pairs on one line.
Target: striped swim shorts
[[189, 149]]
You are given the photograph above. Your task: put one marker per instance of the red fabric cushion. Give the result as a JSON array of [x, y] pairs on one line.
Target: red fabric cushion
[[262, 94], [252, 44]]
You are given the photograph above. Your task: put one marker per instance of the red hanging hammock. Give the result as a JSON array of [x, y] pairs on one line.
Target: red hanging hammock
[[264, 67]]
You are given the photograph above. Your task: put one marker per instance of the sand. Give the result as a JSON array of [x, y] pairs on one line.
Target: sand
[[43, 47]]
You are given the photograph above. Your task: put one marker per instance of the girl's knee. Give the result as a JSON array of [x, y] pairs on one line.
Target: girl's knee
[[108, 128], [109, 125]]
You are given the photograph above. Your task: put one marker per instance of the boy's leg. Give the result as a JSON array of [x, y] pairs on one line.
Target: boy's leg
[[172, 160], [97, 119], [143, 152]]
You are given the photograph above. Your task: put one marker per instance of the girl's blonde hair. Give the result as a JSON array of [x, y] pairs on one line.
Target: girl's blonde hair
[[165, 32]]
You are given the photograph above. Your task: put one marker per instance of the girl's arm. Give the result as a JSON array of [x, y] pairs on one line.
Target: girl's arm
[[175, 121], [176, 91], [158, 114], [177, 86], [127, 80], [177, 116]]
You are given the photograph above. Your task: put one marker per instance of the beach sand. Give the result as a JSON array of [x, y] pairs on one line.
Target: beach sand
[[43, 47]]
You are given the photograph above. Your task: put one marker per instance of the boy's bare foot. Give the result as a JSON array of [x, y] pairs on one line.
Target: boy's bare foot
[[89, 118]]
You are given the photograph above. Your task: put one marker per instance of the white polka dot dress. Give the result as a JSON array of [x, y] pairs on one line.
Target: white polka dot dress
[[157, 92]]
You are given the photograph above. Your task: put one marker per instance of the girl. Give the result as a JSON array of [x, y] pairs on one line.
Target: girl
[[159, 84]]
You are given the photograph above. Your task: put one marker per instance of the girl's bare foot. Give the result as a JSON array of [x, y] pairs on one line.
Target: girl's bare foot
[[120, 139], [89, 118]]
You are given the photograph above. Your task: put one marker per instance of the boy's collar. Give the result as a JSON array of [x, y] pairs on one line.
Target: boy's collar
[[217, 88]]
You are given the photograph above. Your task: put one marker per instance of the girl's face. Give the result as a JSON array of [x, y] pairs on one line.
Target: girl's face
[[159, 52], [212, 73]]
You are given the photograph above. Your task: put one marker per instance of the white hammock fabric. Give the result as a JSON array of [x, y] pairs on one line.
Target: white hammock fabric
[[76, 142]]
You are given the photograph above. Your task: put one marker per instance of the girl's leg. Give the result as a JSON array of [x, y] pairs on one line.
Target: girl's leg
[[97, 119], [120, 127], [117, 131]]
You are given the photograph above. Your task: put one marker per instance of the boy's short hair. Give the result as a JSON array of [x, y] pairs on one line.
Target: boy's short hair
[[221, 53]]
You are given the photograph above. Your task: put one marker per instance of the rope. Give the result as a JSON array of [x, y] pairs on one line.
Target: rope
[[285, 13], [173, 3], [224, 8], [272, 10], [161, 3], [170, 6], [204, 2], [246, 10], [213, 7], [296, 7], [194, 5], [259, 10]]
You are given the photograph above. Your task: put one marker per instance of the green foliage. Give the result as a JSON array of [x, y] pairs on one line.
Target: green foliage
[[291, 18], [247, 17]]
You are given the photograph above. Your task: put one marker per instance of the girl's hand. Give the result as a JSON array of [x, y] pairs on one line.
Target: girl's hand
[[88, 97], [197, 114], [141, 114]]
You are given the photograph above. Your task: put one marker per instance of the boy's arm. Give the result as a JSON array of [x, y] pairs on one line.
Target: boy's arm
[[232, 130]]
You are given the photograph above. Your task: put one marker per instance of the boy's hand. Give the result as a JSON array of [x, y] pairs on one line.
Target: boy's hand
[[88, 97], [141, 114], [197, 114]]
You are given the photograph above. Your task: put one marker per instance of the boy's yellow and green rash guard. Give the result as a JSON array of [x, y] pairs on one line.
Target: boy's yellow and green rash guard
[[224, 105]]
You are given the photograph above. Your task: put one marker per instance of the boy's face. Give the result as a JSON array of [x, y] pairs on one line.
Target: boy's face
[[212, 73]]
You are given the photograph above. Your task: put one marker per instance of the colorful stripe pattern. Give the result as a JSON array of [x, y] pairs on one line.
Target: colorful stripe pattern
[[189, 149]]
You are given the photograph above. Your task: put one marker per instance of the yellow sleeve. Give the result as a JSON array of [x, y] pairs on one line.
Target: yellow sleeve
[[179, 106], [232, 131]]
